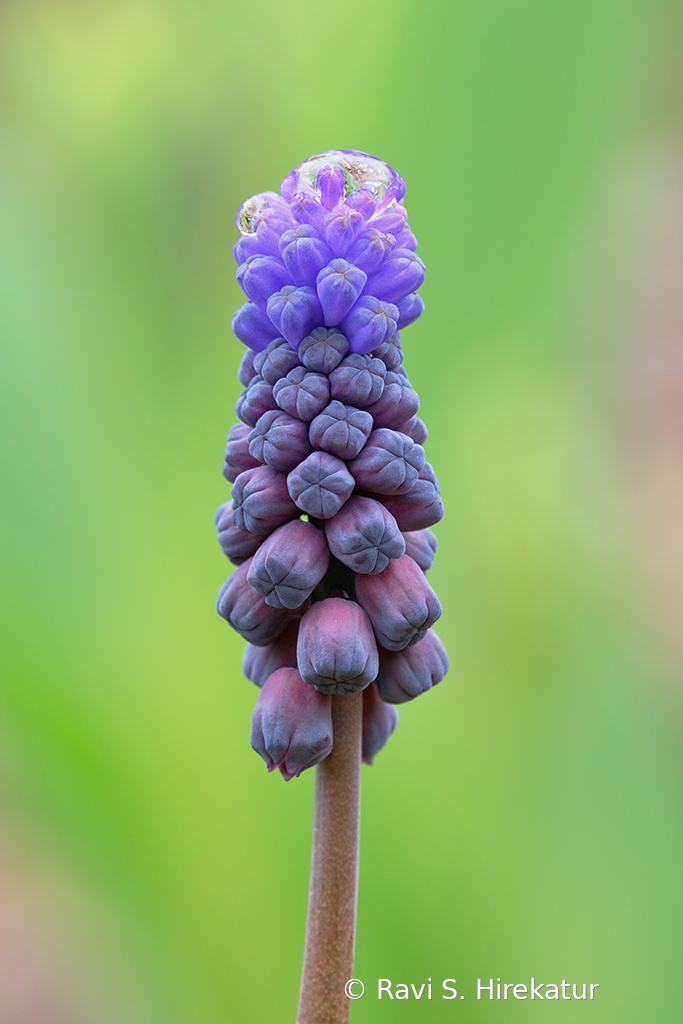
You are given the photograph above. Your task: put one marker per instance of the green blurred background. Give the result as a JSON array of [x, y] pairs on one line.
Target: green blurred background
[[527, 816]]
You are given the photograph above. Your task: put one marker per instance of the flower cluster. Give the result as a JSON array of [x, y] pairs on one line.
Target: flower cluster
[[332, 498]]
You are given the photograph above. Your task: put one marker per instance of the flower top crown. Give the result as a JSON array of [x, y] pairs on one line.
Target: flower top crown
[[333, 249]]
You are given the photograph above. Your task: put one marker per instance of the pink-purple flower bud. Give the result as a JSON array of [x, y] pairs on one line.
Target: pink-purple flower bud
[[246, 371], [289, 564], [246, 611], [323, 349], [340, 430], [404, 675], [358, 380], [256, 399], [320, 485], [379, 721], [302, 393], [336, 651], [389, 463], [261, 501], [415, 428], [279, 440], [238, 545], [276, 360], [292, 724], [397, 403], [364, 536], [399, 602], [421, 546], [237, 457], [260, 662], [421, 506]]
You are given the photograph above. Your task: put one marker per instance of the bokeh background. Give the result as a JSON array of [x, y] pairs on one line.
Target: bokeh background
[[527, 816]]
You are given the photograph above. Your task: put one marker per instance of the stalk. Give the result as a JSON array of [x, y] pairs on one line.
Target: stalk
[[333, 892]]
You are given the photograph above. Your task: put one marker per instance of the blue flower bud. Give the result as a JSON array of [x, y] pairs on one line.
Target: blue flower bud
[[400, 603], [392, 218], [388, 464], [279, 440], [323, 350], [370, 250], [237, 457], [238, 545], [295, 312], [304, 254], [379, 721], [338, 285], [289, 564], [260, 276], [246, 371], [358, 380], [369, 323], [307, 210], [320, 485], [421, 506], [252, 326], [404, 675], [261, 501], [364, 536], [363, 200], [247, 612], [341, 430], [397, 403], [398, 276], [340, 227], [421, 546], [409, 309], [276, 360], [256, 399], [260, 662], [336, 650], [302, 393], [292, 724]]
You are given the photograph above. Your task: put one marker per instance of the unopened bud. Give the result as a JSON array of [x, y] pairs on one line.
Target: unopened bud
[[400, 603], [379, 721], [292, 724], [336, 651], [260, 662], [320, 485], [261, 501], [247, 612], [404, 675], [289, 564], [364, 536]]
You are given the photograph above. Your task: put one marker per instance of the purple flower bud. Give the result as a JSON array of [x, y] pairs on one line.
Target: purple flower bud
[[260, 662], [320, 485], [393, 218], [341, 226], [363, 200], [256, 399], [260, 276], [292, 724], [415, 428], [247, 612], [302, 394], [336, 651], [304, 254], [237, 457], [261, 501], [404, 675], [397, 403], [307, 210], [398, 276], [379, 721], [358, 380], [338, 285], [421, 546], [390, 352], [388, 464], [271, 228], [246, 371], [289, 564], [323, 350], [400, 603], [252, 326], [341, 430], [370, 250], [246, 246], [364, 536], [238, 545], [369, 323], [330, 181], [279, 440], [295, 312], [276, 360], [421, 506], [409, 309]]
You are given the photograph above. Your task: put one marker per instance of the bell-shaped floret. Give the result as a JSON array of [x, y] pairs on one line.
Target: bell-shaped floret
[[260, 662], [289, 564], [400, 603], [237, 457], [364, 536], [415, 428], [238, 545], [260, 276], [397, 403], [421, 546], [261, 501], [338, 285], [253, 327], [389, 463], [323, 350], [370, 250], [292, 724], [406, 674], [409, 309], [304, 254], [279, 440], [302, 393], [398, 276], [358, 380], [295, 312], [369, 323], [341, 226], [341, 430], [246, 371], [421, 506], [320, 485], [246, 611], [256, 399], [276, 360], [390, 352], [379, 721], [336, 651]]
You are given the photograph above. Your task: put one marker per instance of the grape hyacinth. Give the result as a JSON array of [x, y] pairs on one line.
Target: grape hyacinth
[[332, 497]]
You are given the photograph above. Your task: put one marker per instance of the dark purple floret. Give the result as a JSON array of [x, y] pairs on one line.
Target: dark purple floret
[[379, 721], [398, 276], [390, 352], [237, 457], [247, 612], [261, 501], [358, 380], [400, 603], [304, 254], [421, 546], [320, 485], [238, 545], [292, 724], [323, 349], [421, 506], [279, 440], [397, 403], [260, 662], [295, 312], [246, 371], [404, 675], [289, 564], [302, 393], [389, 463], [256, 399], [260, 276], [339, 285], [253, 327], [364, 536], [369, 323], [415, 428], [276, 360], [336, 651], [341, 430]]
